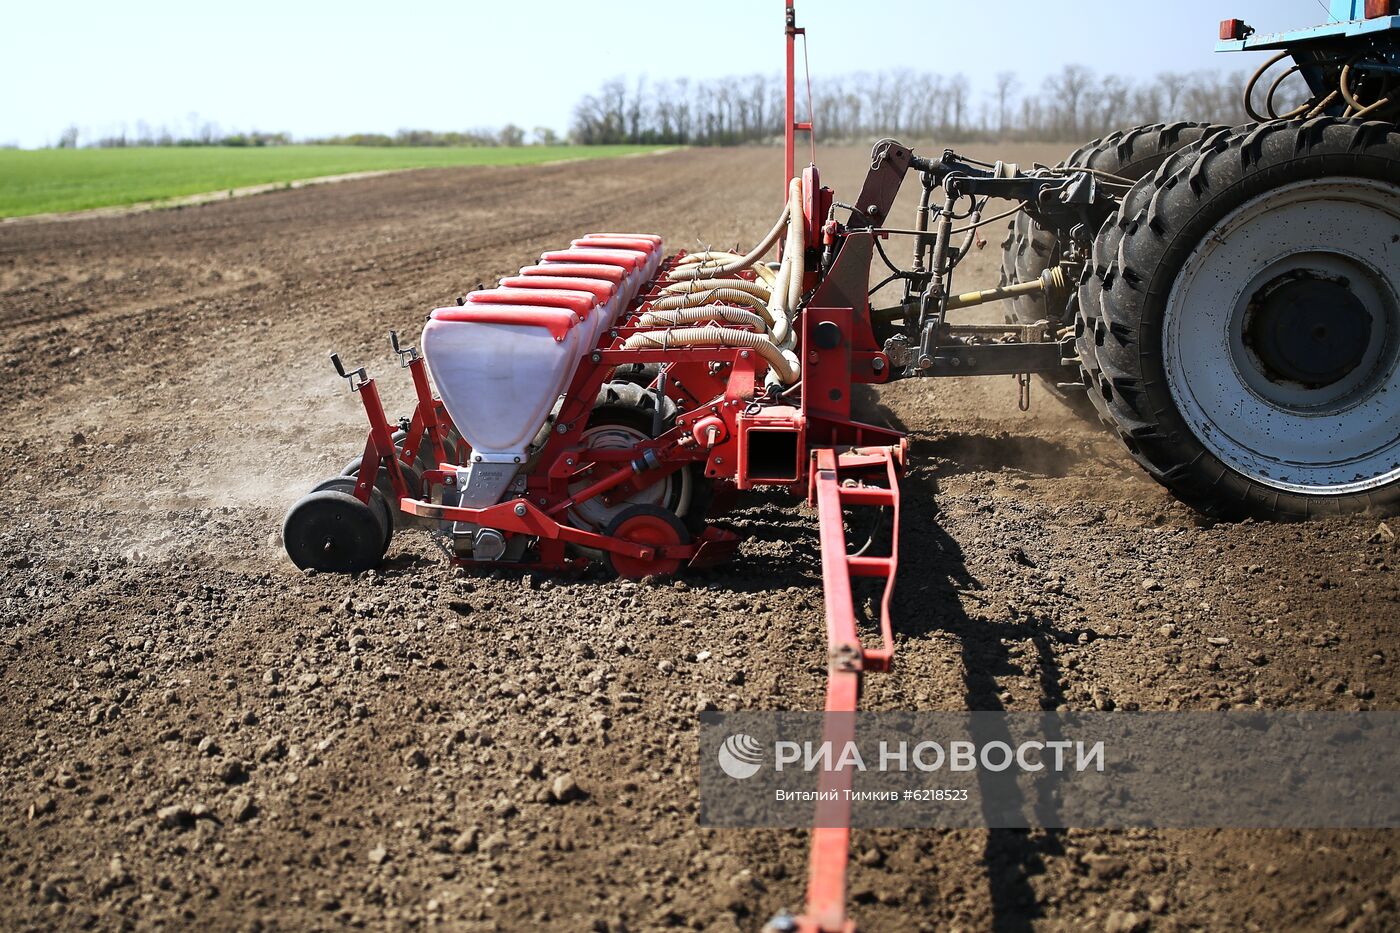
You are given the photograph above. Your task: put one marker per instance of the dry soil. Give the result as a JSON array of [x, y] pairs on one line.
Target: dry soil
[[193, 732]]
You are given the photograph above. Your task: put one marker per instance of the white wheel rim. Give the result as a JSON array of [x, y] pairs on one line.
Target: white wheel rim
[[1332, 435]]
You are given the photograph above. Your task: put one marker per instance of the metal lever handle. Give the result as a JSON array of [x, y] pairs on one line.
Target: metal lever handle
[[406, 356], [357, 377]]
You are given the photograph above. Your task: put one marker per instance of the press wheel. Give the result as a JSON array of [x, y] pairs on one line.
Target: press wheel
[[650, 525]]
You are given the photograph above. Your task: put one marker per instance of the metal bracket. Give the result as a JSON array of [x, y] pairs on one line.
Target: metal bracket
[[993, 359]]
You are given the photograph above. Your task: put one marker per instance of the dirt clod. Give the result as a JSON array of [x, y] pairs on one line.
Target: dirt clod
[[564, 789], [243, 809], [175, 816], [42, 807]]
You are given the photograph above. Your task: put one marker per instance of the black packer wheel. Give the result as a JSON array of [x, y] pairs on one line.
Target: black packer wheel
[[332, 531]]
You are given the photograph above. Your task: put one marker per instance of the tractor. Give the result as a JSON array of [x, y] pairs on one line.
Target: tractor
[[1226, 299]]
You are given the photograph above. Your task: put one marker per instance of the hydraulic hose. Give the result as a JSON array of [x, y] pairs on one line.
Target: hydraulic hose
[[1274, 89], [701, 315], [787, 367], [777, 306], [1344, 86], [1253, 82], [1323, 104], [690, 286]]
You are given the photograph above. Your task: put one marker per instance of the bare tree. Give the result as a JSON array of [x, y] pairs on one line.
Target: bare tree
[[1112, 107], [1005, 87], [1171, 85], [634, 112], [1067, 89], [958, 90]]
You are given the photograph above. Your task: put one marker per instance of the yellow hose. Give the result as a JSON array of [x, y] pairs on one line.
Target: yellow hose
[[713, 296], [707, 255], [708, 270], [1352, 103], [690, 286], [786, 368], [701, 315], [796, 249]]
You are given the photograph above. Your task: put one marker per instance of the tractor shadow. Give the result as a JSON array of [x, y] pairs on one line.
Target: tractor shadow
[[934, 588]]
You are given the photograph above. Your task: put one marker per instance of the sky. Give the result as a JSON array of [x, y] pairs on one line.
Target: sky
[[316, 68]]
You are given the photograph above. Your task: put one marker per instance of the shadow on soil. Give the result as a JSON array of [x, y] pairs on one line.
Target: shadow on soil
[[933, 580]]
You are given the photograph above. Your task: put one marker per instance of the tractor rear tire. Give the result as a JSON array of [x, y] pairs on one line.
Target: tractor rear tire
[[1103, 264], [1029, 249], [1248, 348]]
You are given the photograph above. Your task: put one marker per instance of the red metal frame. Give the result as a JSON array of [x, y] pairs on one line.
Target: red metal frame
[[430, 423], [837, 462], [835, 484], [380, 450], [845, 464], [791, 32], [836, 455]]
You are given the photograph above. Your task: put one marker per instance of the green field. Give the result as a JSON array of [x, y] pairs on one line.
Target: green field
[[50, 180]]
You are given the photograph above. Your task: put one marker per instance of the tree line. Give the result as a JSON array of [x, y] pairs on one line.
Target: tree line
[[207, 133], [1071, 105]]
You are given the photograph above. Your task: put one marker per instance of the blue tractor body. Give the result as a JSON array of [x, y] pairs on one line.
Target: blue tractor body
[[1358, 49], [1347, 23]]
